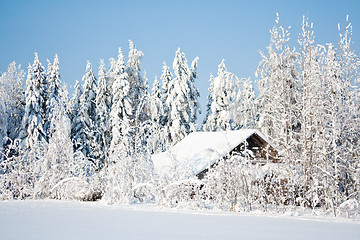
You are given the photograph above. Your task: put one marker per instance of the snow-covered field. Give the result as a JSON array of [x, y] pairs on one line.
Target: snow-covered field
[[76, 220]]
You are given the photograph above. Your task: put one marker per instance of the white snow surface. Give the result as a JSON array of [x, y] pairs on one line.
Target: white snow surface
[[199, 150], [50, 219]]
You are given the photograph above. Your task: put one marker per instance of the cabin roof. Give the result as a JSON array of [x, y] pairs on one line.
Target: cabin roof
[[199, 150]]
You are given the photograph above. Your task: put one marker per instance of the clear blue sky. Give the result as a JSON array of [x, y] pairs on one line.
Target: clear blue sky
[[212, 30]]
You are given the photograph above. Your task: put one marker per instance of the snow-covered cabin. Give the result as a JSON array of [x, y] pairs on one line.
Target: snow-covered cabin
[[199, 151]]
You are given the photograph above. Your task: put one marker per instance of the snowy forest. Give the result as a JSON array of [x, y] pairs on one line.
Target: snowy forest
[[97, 144]]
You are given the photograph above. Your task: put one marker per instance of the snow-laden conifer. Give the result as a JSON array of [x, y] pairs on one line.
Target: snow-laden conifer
[[137, 91], [141, 118], [244, 106], [166, 77], [102, 113], [194, 105], [116, 68], [158, 142], [119, 172], [35, 102], [209, 100], [181, 99], [156, 104], [120, 112], [75, 111], [85, 136], [224, 89], [54, 83]]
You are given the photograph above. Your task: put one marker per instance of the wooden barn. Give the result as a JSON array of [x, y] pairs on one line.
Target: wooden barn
[[199, 151]]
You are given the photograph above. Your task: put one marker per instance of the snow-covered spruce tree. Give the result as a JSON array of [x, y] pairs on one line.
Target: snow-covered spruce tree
[[103, 114], [25, 166], [223, 95], [181, 101], [140, 118], [120, 107], [137, 91], [158, 141], [244, 106], [209, 100], [129, 159], [75, 111], [166, 78], [110, 75], [175, 122], [279, 92], [157, 108], [194, 106], [119, 170], [116, 68], [53, 79], [12, 103], [35, 101], [143, 166], [116, 72], [85, 133]]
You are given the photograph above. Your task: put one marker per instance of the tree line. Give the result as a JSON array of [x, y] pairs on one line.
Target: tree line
[[103, 137]]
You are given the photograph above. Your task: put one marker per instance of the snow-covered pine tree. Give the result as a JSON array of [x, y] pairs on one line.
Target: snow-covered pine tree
[[244, 105], [32, 134], [85, 135], [75, 111], [116, 68], [46, 91], [194, 105], [110, 74], [54, 82], [35, 96], [120, 113], [120, 169], [174, 105], [224, 89], [181, 100], [103, 114], [156, 105], [140, 118], [166, 77], [158, 141], [137, 92], [210, 100]]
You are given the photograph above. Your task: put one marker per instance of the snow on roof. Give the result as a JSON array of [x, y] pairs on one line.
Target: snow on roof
[[199, 150]]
